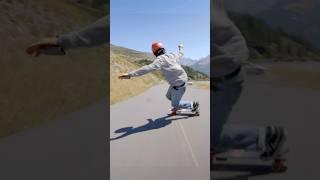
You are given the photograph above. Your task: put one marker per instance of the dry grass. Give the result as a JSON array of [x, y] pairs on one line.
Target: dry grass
[[202, 84], [123, 89]]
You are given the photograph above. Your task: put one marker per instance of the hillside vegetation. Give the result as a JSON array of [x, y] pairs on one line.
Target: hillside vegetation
[[195, 75], [130, 54], [36, 90], [268, 43]]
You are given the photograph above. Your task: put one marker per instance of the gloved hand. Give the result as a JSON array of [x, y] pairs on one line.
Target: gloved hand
[[46, 46], [124, 76], [180, 46]]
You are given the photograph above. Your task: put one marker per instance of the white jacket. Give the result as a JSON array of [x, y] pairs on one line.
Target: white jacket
[[170, 67]]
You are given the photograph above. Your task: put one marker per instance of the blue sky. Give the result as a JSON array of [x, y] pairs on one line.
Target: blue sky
[[136, 24]]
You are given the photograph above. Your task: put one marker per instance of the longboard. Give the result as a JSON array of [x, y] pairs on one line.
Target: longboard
[[187, 112], [278, 163]]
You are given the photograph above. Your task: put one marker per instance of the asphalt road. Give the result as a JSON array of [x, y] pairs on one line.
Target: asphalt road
[[72, 147], [145, 144], [263, 103], [75, 146]]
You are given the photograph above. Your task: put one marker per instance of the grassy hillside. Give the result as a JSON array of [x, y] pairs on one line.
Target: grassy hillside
[[296, 16], [130, 54], [34, 91], [195, 75], [120, 63], [268, 43]]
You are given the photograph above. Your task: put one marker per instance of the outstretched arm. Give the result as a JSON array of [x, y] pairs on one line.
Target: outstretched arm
[[228, 43], [181, 50], [156, 65], [92, 35]]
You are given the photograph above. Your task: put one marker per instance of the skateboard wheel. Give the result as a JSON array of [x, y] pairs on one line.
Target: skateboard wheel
[[278, 166]]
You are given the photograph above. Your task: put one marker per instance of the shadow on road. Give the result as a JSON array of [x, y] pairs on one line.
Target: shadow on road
[[250, 170], [151, 124]]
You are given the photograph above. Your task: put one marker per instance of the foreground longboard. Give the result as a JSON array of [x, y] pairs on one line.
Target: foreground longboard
[[278, 164]]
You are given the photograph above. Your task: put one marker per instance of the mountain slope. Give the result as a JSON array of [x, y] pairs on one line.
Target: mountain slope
[[130, 54], [265, 42], [299, 17], [188, 61], [203, 65]]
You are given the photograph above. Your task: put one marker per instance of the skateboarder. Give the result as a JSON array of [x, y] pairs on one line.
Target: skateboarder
[[97, 34], [169, 65], [229, 55]]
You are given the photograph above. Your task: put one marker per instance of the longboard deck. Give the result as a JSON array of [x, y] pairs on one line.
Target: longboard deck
[[187, 112], [278, 163]]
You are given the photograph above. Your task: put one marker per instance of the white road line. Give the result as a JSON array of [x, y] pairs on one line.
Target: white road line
[[189, 145]]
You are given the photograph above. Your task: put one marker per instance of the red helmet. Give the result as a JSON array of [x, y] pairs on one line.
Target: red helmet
[[156, 46]]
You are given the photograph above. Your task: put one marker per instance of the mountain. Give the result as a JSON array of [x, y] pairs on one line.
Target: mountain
[[187, 61], [298, 17], [266, 42], [195, 75], [203, 65]]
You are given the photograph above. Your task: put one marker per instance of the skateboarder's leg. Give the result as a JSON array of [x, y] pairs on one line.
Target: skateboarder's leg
[[222, 107], [168, 94], [242, 137], [222, 137], [176, 96], [186, 104]]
